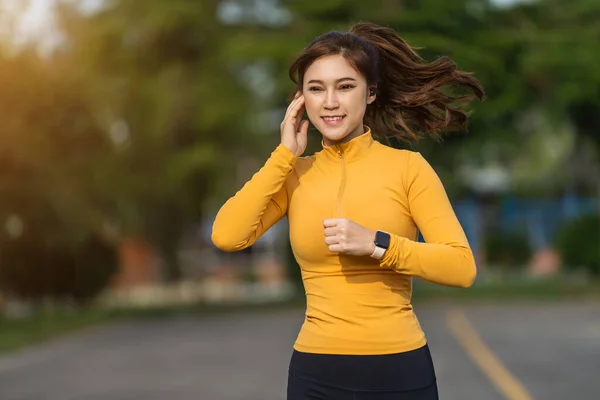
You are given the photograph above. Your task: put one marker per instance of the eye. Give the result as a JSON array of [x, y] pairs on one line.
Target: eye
[[314, 88], [347, 87]]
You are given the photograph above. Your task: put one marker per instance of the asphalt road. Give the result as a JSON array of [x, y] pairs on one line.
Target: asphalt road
[[488, 352]]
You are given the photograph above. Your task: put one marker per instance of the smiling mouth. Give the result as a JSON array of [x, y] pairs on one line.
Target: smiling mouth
[[333, 120]]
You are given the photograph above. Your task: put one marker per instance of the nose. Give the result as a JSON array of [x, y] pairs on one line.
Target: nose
[[331, 102]]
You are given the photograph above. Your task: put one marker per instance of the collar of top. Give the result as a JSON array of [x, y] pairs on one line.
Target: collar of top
[[350, 150]]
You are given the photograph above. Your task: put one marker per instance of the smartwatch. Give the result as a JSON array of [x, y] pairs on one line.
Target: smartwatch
[[382, 242]]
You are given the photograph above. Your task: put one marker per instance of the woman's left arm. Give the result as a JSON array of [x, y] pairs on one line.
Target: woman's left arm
[[445, 257]]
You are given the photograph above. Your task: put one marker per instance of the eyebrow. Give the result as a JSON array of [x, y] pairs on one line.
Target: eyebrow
[[337, 81]]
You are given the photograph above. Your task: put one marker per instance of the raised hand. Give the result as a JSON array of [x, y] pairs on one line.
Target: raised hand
[[293, 130], [345, 236]]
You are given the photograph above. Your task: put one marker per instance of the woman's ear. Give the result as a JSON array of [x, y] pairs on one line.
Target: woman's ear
[[372, 95]]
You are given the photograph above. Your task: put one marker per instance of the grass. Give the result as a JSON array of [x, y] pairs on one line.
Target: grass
[[511, 289], [19, 333]]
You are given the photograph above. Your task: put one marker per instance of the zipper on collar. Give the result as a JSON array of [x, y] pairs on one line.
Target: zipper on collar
[[342, 157]]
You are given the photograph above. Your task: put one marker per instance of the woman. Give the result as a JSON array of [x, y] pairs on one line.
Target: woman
[[354, 210]]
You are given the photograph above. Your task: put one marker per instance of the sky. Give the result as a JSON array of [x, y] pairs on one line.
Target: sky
[[36, 21], [36, 18]]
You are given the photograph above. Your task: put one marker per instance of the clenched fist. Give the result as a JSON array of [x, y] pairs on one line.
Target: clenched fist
[[345, 236]]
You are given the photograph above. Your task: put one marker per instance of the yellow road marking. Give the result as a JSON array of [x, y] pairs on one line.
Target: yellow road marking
[[484, 358]]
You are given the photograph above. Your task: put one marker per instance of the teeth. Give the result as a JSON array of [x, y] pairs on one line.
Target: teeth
[[332, 118]]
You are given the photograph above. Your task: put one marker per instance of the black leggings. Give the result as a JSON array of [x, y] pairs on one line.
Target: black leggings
[[401, 376]]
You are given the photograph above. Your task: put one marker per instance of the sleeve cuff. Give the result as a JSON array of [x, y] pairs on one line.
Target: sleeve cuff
[[282, 159], [283, 155], [392, 256]]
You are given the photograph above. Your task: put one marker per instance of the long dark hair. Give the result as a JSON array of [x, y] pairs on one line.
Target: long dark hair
[[415, 98]]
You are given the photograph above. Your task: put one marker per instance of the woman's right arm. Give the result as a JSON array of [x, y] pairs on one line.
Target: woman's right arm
[[263, 201], [256, 207]]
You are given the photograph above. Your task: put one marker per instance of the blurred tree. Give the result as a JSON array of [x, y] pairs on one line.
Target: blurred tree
[[49, 149], [172, 103], [560, 74], [50, 145]]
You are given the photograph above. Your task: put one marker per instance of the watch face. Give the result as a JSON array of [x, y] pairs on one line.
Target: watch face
[[382, 239]]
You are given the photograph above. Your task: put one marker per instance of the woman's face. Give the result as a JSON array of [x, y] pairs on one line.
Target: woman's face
[[335, 97]]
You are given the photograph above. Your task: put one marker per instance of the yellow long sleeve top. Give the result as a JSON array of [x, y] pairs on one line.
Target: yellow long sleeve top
[[354, 305]]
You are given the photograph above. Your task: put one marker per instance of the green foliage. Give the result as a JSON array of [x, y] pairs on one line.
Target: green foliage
[[507, 249], [158, 75], [34, 269], [578, 243]]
